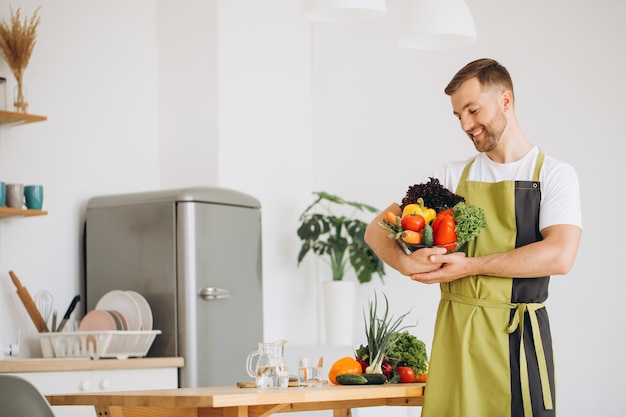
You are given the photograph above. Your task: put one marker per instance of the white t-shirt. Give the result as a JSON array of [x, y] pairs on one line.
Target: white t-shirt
[[560, 190]]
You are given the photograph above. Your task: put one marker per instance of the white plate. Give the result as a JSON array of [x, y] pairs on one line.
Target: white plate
[[144, 307], [123, 303]]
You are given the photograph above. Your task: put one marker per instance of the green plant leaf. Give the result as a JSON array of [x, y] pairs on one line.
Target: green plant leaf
[[338, 239], [313, 227], [306, 246], [366, 263]]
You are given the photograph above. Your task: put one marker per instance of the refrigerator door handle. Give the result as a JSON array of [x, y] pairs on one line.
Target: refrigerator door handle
[[212, 293]]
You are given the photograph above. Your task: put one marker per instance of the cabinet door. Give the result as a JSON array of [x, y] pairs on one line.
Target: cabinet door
[[59, 382]]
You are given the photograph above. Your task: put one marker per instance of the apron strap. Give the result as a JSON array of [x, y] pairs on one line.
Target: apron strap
[[517, 322], [538, 164], [466, 170]]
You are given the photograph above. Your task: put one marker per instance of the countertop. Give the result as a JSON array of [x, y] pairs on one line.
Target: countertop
[[85, 364]]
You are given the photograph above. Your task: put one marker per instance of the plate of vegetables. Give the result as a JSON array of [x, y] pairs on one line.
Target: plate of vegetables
[[433, 216]]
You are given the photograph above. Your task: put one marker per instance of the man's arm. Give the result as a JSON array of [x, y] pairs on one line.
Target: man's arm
[[554, 255], [391, 253]]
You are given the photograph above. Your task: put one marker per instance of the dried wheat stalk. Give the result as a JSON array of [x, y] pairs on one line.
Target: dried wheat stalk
[[17, 41]]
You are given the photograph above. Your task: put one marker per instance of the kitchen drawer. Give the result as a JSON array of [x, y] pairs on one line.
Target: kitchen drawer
[[61, 382], [128, 380]]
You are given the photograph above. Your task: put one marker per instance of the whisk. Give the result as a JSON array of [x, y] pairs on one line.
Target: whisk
[[44, 302]]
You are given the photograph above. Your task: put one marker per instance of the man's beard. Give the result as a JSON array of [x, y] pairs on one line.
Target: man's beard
[[492, 134]]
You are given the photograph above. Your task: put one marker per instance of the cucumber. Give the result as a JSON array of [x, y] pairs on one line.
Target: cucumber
[[429, 239], [351, 379], [375, 379]]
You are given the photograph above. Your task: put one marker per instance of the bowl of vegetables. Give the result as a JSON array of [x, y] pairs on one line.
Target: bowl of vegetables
[[433, 216]]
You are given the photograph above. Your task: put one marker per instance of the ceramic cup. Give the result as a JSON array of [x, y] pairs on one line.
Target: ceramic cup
[[15, 195], [3, 194], [33, 195]]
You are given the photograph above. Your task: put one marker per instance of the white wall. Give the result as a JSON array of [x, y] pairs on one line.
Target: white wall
[[128, 110], [188, 86], [265, 143], [93, 73]]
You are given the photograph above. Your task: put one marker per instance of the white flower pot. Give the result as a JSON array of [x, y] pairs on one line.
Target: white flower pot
[[339, 312]]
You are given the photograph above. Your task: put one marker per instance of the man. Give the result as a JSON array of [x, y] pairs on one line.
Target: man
[[493, 297]]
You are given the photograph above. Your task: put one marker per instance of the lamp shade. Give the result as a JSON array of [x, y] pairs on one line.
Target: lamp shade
[[341, 10], [437, 24]]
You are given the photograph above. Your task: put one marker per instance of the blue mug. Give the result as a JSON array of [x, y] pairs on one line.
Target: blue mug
[[33, 194], [3, 194]]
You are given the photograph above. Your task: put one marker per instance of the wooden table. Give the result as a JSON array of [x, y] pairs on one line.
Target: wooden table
[[243, 402]]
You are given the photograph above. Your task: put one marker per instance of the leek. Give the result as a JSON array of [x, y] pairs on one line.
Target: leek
[[378, 332]]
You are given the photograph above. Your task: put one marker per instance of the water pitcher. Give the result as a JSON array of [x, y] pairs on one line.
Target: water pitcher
[[271, 368]]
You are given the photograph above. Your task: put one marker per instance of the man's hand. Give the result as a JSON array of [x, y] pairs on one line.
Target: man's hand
[[422, 260], [451, 267], [554, 255]]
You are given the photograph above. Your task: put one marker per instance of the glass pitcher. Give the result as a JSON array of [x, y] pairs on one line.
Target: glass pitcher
[[271, 367]]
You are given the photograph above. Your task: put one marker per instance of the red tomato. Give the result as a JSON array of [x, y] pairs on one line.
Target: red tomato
[[407, 374], [413, 222]]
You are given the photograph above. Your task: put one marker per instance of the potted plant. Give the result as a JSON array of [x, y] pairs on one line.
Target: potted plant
[[338, 239]]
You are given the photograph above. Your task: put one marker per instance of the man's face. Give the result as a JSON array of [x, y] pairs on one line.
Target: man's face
[[481, 113]]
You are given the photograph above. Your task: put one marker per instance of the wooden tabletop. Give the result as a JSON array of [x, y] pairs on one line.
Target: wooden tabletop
[[245, 401]]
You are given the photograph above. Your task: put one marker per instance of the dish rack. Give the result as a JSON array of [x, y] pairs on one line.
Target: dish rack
[[120, 344]]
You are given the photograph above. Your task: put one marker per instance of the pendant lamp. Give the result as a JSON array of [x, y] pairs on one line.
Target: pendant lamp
[[437, 24], [341, 10]]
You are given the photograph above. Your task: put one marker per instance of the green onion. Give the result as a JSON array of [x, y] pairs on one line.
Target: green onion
[[378, 332]]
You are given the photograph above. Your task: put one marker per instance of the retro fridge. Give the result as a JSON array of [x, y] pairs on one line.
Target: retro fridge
[[195, 255]]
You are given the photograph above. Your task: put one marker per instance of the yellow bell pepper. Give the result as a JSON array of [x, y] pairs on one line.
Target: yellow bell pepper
[[428, 214]]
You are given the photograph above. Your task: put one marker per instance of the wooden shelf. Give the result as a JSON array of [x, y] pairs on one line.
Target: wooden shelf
[[82, 364], [12, 118], [17, 212]]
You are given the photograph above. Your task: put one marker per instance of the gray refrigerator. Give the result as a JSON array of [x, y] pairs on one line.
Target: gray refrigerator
[[195, 255]]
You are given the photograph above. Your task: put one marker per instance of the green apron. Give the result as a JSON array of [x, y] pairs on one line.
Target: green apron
[[478, 366]]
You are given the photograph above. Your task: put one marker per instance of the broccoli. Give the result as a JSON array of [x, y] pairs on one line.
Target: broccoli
[[469, 221], [408, 349]]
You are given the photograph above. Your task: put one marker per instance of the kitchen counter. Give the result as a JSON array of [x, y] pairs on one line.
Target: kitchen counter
[[81, 364]]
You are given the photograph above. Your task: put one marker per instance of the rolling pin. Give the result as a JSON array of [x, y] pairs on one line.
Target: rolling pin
[[28, 302]]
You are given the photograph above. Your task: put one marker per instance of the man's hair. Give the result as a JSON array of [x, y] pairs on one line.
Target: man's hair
[[487, 71]]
